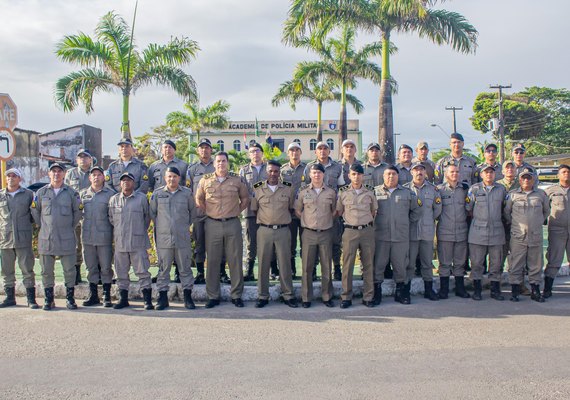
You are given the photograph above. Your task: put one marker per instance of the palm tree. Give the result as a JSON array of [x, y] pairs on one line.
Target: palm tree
[[111, 62], [315, 89], [384, 17], [198, 119]]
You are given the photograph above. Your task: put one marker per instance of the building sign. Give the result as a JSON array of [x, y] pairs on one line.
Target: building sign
[[287, 126]]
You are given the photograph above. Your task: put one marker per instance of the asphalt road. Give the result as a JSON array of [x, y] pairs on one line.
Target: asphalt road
[[453, 349]]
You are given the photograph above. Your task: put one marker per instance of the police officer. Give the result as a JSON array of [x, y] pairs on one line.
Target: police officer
[[422, 151], [348, 153], [374, 167], [223, 195], [56, 211], [127, 162], [485, 201], [97, 236], [404, 165], [452, 232], [519, 153], [509, 179], [357, 205], [315, 206], [16, 238], [292, 172], [558, 227], [252, 173], [158, 168], [272, 202], [467, 166], [171, 208], [398, 206], [526, 209], [129, 215], [490, 154], [78, 179], [422, 232]]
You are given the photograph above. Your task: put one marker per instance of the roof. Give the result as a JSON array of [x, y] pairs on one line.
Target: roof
[[551, 157]]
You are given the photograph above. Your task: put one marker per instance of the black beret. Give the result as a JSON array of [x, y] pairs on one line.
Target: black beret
[[170, 143], [174, 170], [318, 167], [457, 136]]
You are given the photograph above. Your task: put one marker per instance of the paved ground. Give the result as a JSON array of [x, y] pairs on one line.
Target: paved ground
[[446, 350]]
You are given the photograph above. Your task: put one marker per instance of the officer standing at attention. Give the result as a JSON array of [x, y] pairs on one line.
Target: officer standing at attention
[[315, 206], [252, 173], [158, 168], [490, 154], [526, 210], [272, 202], [467, 166], [357, 206], [16, 238], [404, 165], [348, 150], [129, 215], [398, 206], [509, 179], [292, 173], [452, 232], [77, 178], [422, 232], [56, 211], [485, 201], [558, 227], [97, 236], [171, 208], [223, 195], [127, 162], [422, 151], [519, 153], [374, 167]]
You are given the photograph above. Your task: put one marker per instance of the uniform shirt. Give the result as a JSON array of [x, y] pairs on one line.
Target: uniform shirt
[[429, 165], [452, 224], [96, 229], [374, 174], [76, 179], [346, 168], [428, 195], [273, 208], [467, 169], [395, 212], [498, 171], [486, 206], [526, 213], [333, 174], [404, 174], [559, 218], [195, 172], [16, 219], [172, 216], [294, 176], [512, 185], [524, 165], [222, 199], [251, 176], [356, 207], [57, 216], [316, 209], [157, 170], [135, 167], [130, 218]]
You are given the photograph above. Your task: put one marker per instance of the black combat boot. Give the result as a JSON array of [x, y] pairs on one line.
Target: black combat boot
[[406, 295], [377, 294], [188, 302], [388, 272], [93, 299], [274, 270], [10, 299], [496, 291], [548, 283], [70, 297], [460, 288], [78, 279], [200, 277], [443, 287], [162, 302], [515, 292], [536, 295], [428, 291], [123, 300], [147, 296], [107, 295], [31, 295], [249, 275], [478, 288], [48, 299], [337, 273]]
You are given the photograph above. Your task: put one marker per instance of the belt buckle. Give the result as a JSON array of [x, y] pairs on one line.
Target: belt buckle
[[274, 227], [360, 227]]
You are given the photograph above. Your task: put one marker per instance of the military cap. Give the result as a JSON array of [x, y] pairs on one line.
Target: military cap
[[127, 175], [125, 141], [418, 165], [57, 165], [422, 144], [490, 145], [256, 145], [348, 141], [96, 168], [526, 171], [170, 143], [372, 145], [486, 167], [206, 142], [293, 145], [14, 171], [84, 152], [320, 144]]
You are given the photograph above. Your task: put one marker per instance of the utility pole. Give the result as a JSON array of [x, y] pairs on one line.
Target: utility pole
[[501, 118], [454, 109]]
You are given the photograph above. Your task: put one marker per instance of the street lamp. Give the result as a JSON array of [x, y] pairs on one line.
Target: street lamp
[[441, 129]]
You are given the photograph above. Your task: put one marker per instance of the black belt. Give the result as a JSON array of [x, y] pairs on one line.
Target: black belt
[[223, 219], [358, 227], [274, 226], [317, 230]]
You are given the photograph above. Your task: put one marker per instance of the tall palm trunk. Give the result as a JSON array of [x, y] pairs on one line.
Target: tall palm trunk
[[319, 121], [342, 128], [385, 113], [125, 128]]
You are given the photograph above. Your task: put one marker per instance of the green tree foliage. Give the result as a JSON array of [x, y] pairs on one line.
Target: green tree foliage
[[196, 119]]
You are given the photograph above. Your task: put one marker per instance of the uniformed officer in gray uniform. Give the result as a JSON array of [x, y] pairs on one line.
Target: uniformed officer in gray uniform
[[374, 167], [158, 168], [97, 236], [467, 166], [56, 211], [127, 162], [526, 210], [490, 154], [16, 238], [485, 201], [422, 232], [171, 208], [452, 232], [78, 179], [404, 165], [130, 217], [422, 151], [558, 227], [398, 206]]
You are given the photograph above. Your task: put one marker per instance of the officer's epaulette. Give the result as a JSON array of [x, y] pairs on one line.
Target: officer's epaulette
[[343, 188], [369, 187], [286, 183], [304, 187], [210, 175], [258, 184]]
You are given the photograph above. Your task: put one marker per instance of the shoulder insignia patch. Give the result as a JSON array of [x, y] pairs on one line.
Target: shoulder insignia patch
[[258, 184], [286, 183], [145, 177], [210, 175], [34, 204], [107, 178], [302, 178], [81, 206], [467, 199], [420, 202], [303, 187], [369, 187], [436, 172], [188, 183], [343, 188]]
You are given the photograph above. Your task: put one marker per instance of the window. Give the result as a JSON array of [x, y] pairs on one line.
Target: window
[[330, 142], [298, 141], [237, 145], [221, 143], [313, 144]]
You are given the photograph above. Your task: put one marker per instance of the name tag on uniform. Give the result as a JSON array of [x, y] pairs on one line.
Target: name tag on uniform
[[381, 197]]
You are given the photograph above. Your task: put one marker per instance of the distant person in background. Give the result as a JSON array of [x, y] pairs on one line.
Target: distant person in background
[[404, 165], [422, 151], [467, 165], [374, 167], [127, 162], [490, 154]]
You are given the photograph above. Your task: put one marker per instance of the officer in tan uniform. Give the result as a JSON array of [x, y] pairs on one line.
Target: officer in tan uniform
[[315, 206], [97, 236], [509, 179], [272, 202], [357, 205], [171, 207], [404, 165], [422, 151], [127, 162], [223, 195], [16, 238], [56, 211], [485, 201], [374, 167], [526, 210], [467, 166], [558, 227]]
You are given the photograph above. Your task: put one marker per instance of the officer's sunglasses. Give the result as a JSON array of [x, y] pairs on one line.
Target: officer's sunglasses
[[519, 151]]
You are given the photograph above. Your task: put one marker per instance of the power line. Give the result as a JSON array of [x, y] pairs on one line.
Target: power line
[[501, 118], [454, 122]]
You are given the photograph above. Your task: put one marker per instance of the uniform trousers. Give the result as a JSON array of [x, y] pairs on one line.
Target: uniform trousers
[[251, 227], [296, 230], [273, 243], [98, 257], [524, 257], [199, 238], [48, 266], [317, 243], [25, 257], [79, 254], [397, 254], [452, 258], [477, 254], [423, 248], [558, 243], [183, 258], [353, 240], [140, 263]]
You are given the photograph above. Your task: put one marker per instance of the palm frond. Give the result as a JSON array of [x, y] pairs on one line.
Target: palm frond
[[79, 87]]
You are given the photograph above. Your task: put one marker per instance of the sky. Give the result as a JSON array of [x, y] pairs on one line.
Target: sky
[[243, 61]]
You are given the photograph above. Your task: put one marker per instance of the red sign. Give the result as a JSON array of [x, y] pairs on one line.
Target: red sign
[[8, 112]]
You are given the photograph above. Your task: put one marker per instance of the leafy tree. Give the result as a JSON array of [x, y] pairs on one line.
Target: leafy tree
[[198, 119], [111, 61], [436, 155]]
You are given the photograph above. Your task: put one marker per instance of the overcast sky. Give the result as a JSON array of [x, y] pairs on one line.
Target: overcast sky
[[521, 42]]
